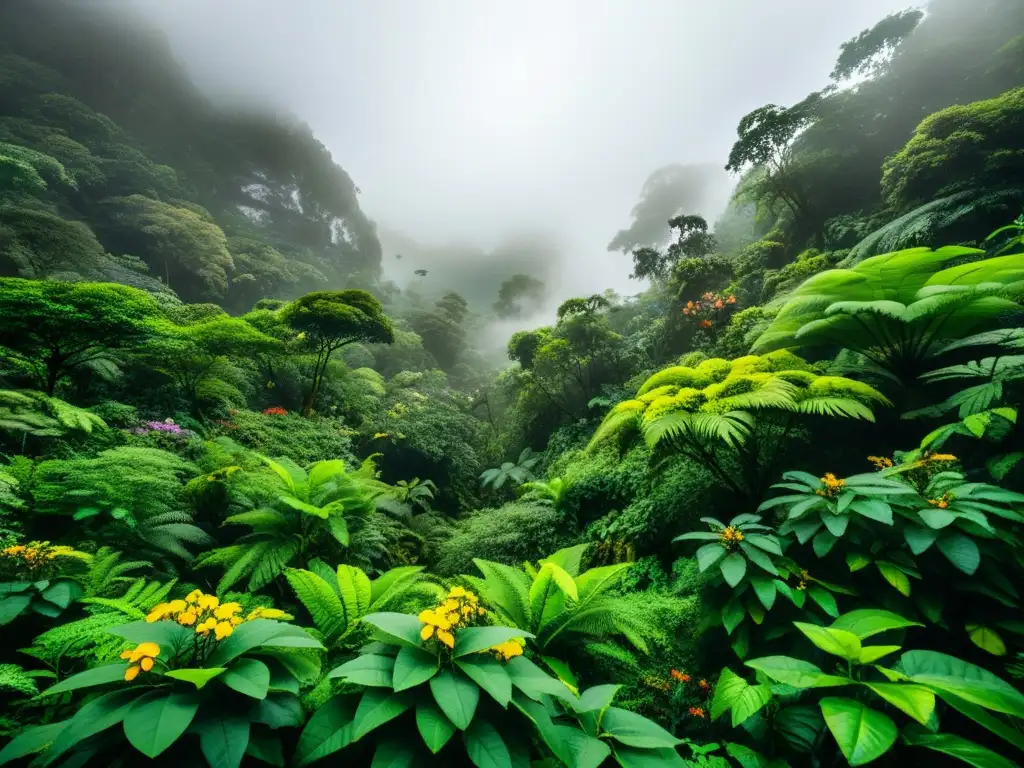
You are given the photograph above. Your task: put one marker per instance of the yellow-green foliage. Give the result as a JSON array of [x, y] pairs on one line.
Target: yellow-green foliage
[[778, 380]]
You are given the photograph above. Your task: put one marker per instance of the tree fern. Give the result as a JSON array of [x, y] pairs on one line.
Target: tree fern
[[36, 414]]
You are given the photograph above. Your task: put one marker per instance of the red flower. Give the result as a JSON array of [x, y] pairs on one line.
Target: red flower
[[275, 411], [681, 677], [706, 323], [705, 685], [697, 711]]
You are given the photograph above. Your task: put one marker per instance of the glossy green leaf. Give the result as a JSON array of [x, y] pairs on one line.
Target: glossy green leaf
[[248, 676], [871, 653], [393, 754], [863, 734], [456, 695], [733, 613], [198, 677], [955, 746], [765, 590], [799, 726], [412, 667], [577, 749], [31, 740], [824, 599], [969, 682], [328, 730], [396, 627], [108, 673], [709, 555], [727, 691], [490, 675], [266, 748], [636, 730], [914, 700], [868, 622], [368, 669], [733, 568], [223, 740], [961, 551], [157, 720], [434, 727], [476, 639], [897, 578], [987, 639], [635, 757], [795, 672], [485, 747], [857, 560], [873, 509], [535, 682], [376, 707]]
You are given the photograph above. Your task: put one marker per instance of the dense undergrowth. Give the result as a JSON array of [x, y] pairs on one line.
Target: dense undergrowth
[[258, 505]]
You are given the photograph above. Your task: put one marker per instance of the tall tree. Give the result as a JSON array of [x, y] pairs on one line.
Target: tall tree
[[328, 320], [49, 328]]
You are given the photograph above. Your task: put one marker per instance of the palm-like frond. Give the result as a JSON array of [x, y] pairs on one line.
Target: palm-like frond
[[42, 416]]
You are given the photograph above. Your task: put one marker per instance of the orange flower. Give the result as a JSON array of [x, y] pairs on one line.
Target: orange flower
[[689, 305], [708, 296], [681, 677], [719, 304], [705, 685], [705, 323], [686, 311], [731, 300], [697, 712]]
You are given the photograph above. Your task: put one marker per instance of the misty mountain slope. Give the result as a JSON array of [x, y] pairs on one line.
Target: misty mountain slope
[[115, 167]]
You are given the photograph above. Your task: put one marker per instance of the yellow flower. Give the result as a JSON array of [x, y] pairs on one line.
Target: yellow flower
[[227, 610], [194, 595], [941, 457], [236, 620], [141, 659], [223, 629], [457, 592], [447, 638], [833, 485], [131, 673], [731, 536], [159, 612], [427, 632], [187, 618], [508, 650], [451, 605], [206, 626], [208, 602], [880, 462], [467, 610], [146, 664]]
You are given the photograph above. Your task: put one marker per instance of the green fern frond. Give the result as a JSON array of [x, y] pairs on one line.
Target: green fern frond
[[321, 601]]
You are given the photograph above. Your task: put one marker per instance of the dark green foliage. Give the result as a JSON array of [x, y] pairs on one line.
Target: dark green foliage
[[511, 534], [517, 294], [305, 440], [869, 52]]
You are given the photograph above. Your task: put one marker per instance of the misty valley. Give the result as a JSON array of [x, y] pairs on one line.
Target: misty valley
[[454, 458]]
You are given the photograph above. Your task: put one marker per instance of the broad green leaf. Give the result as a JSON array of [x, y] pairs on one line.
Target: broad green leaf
[[961, 551], [914, 700], [897, 578], [796, 672], [95, 716], [732, 614], [280, 709], [727, 691], [575, 748], [258, 633], [562, 672], [328, 730], [936, 518], [765, 590], [396, 627], [987, 639], [11, 607], [535, 682], [485, 747], [824, 599], [393, 754], [597, 698], [709, 555], [412, 667], [476, 639], [836, 525], [872, 653], [955, 746], [873, 509], [266, 748], [548, 591], [490, 675], [169, 635], [434, 727], [456, 695], [223, 740], [1003, 726], [962, 679], [733, 568], [750, 701], [157, 720], [248, 676], [376, 707], [198, 677], [799, 726], [758, 557], [636, 730], [31, 740], [862, 734], [108, 673], [368, 669], [918, 538], [868, 622]]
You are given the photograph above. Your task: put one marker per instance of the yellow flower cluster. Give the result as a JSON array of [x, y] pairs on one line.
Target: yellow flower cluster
[[507, 650], [880, 462], [939, 457], [38, 553], [141, 659], [730, 537], [208, 614], [460, 609], [833, 486], [942, 502]]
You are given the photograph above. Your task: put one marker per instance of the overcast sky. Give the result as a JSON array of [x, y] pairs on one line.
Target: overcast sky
[[468, 120]]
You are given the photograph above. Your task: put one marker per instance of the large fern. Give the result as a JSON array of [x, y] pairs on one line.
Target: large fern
[[324, 511], [337, 600], [39, 415]]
